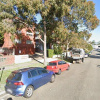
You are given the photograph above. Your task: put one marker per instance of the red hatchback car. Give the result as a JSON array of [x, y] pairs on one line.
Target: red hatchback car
[[58, 66]]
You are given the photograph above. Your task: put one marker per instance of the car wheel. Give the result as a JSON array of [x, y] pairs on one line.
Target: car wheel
[[59, 72], [52, 78], [82, 59], [28, 92]]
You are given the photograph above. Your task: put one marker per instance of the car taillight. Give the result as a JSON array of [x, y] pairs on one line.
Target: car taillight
[[55, 66], [18, 83]]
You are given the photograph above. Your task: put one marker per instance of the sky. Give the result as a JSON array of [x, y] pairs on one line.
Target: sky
[[96, 32]]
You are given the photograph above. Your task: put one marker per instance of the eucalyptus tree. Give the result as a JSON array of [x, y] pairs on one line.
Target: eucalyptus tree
[[6, 15], [81, 19], [61, 19]]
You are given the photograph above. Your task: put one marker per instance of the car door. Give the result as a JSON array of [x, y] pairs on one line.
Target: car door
[[45, 76], [64, 65], [60, 65], [35, 78]]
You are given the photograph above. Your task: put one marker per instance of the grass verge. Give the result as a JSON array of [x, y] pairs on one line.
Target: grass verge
[[6, 73]]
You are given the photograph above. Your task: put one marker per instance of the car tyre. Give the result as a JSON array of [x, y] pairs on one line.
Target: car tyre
[[82, 59], [59, 72], [52, 78], [29, 91]]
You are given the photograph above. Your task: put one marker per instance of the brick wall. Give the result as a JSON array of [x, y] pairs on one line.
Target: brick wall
[[7, 60]]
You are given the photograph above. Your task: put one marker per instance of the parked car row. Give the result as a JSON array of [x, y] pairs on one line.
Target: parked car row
[[22, 82]]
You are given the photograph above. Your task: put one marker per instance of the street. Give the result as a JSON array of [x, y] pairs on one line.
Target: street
[[81, 82]]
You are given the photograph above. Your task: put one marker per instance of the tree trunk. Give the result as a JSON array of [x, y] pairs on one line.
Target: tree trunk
[[67, 49], [45, 51]]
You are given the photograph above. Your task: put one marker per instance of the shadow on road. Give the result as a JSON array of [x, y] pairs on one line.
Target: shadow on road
[[9, 99], [95, 56], [98, 66], [98, 54]]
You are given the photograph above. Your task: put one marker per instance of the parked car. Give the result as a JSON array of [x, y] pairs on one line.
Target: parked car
[[86, 55], [58, 66], [77, 55], [22, 82]]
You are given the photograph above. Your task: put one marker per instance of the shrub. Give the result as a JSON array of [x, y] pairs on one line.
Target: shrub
[[57, 50], [50, 53]]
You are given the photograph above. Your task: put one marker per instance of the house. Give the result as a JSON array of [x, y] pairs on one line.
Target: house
[[39, 43], [23, 42]]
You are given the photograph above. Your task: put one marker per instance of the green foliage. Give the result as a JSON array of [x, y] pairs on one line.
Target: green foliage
[[50, 53], [57, 49], [6, 16], [88, 48], [1, 38], [60, 19]]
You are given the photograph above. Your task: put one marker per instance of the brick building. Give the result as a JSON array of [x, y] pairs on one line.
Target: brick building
[[23, 43]]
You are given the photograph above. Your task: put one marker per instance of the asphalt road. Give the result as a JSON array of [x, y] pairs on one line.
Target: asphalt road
[[81, 82]]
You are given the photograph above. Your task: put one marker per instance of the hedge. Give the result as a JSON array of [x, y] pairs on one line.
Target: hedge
[[50, 53]]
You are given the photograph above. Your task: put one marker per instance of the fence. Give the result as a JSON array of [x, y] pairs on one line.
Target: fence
[[7, 51], [7, 60]]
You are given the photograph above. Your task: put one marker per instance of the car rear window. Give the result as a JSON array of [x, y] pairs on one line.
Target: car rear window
[[15, 76], [52, 64]]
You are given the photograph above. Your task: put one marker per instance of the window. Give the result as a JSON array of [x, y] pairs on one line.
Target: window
[[63, 62], [32, 73], [16, 77], [28, 42], [29, 74], [52, 64], [60, 63], [42, 71], [29, 33], [17, 41]]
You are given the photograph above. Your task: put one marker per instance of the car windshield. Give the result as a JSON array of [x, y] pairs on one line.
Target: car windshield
[[76, 51], [52, 64], [14, 76]]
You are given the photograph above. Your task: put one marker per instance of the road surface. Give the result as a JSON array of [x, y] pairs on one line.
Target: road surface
[[81, 82]]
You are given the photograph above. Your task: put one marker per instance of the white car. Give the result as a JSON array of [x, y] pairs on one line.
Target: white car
[[86, 55]]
